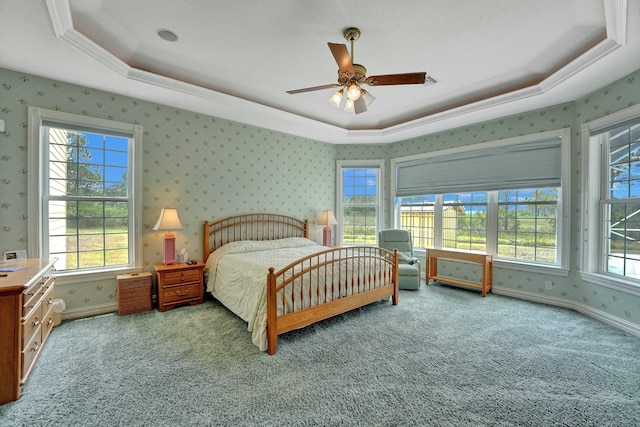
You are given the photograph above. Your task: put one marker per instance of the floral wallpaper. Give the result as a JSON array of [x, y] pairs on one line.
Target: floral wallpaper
[[209, 168], [204, 166]]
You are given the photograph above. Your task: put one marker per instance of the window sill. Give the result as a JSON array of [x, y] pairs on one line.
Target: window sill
[[623, 285], [69, 278]]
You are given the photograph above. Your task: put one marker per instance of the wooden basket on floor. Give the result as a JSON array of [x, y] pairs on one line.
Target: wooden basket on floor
[[134, 292]]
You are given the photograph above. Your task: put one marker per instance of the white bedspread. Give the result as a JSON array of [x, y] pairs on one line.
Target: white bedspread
[[237, 277]]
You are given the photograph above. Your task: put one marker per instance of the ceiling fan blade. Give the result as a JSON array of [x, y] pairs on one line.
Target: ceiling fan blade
[[310, 89], [359, 106], [341, 55], [397, 79]]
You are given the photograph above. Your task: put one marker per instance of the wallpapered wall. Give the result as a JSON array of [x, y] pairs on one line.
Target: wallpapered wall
[[206, 167], [209, 168], [570, 291]]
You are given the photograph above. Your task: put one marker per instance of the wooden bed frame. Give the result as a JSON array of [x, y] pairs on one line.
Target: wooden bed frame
[[363, 287]]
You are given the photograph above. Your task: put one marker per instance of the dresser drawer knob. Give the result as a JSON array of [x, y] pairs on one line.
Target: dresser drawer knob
[[35, 322], [50, 301], [49, 321], [182, 293], [35, 347], [182, 277]]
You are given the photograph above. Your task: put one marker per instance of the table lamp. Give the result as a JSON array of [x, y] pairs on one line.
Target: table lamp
[[327, 219], [168, 221]]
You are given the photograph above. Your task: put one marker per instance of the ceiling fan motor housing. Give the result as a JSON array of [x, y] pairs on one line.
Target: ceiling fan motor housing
[[359, 77]]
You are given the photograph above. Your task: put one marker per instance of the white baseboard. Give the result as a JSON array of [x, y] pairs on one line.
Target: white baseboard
[[607, 318], [94, 310]]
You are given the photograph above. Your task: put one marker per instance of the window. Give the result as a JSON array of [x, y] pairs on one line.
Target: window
[[464, 221], [524, 228], [84, 191], [506, 198], [527, 224], [359, 202], [611, 211]]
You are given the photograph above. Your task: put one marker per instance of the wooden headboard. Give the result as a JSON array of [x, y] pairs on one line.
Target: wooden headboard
[[259, 226]]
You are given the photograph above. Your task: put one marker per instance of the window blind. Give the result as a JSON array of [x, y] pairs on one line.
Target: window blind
[[528, 165]]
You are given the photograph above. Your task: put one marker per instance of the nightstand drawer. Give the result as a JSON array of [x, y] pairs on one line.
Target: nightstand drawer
[[182, 276], [181, 293]]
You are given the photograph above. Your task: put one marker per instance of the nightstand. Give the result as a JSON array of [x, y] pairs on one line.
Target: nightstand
[[179, 284]]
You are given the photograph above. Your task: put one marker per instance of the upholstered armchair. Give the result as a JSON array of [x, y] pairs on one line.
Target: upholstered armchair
[[408, 265]]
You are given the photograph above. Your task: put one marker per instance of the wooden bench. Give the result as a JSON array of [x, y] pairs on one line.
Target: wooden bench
[[481, 258]]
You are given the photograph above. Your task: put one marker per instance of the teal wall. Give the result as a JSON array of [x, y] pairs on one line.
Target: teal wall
[[210, 168], [207, 167]]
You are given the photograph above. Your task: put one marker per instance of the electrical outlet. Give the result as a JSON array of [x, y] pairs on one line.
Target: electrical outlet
[[548, 284]]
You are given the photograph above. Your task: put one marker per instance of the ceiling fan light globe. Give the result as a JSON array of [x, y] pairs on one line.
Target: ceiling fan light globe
[[348, 107], [336, 99], [353, 92], [368, 98]]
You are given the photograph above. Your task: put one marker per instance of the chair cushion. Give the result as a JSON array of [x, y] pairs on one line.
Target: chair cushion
[[405, 258], [408, 269], [410, 283]]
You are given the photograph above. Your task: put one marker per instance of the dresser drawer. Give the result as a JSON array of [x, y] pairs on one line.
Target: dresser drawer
[[30, 352], [47, 321], [30, 325], [182, 276], [181, 293], [31, 298], [47, 299], [47, 284]]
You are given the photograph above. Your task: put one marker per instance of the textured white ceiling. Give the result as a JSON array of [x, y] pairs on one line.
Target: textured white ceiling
[[235, 60]]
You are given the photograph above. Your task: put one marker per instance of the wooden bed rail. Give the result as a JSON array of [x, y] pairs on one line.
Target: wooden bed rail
[[328, 283]]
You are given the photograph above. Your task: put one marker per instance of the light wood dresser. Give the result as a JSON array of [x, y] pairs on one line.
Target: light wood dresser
[[179, 284], [26, 320]]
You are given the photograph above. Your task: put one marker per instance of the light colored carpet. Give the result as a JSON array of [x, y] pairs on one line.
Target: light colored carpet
[[443, 357]]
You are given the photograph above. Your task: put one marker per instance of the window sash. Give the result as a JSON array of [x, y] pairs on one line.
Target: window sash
[[80, 242], [120, 229], [362, 224]]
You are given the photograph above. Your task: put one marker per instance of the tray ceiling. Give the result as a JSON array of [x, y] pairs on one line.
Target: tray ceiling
[[236, 60]]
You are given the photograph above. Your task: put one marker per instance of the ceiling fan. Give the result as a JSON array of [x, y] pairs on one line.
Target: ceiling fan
[[351, 76]]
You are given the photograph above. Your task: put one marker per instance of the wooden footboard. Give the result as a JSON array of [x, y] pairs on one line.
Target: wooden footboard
[[326, 284]]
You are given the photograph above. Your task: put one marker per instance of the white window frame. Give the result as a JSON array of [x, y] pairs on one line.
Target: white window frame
[[37, 161], [594, 175], [341, 164], [564, 199]]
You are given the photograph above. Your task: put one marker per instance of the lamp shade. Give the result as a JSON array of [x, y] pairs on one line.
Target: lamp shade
[[327, 218], [336, 99], [168, 220]]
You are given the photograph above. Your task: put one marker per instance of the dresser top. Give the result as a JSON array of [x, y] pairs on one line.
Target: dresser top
[[25, 275]]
